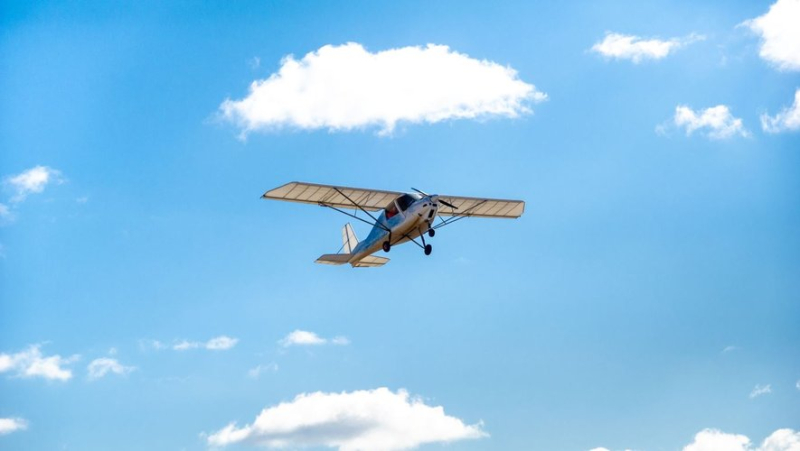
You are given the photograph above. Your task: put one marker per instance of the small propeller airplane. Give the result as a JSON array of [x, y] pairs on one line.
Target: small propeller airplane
[[403, 216]]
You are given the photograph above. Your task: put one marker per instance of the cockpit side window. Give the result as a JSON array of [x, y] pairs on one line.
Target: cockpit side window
[[391, 210]]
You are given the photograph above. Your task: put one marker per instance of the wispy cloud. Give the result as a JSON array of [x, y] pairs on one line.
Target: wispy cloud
[[32, 181], [148, 344], [346, 87], [221, 343], [730, 348], [306, 338], [98, 368], [780, 34], [788, 119], [32, 363], [716, 122], [760, 390], [366, 419], [5, 214], [637, 49], [9, 425], [255, 373]]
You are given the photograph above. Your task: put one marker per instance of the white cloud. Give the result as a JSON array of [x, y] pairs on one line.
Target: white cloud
[[780, 34], [636, 49], [31, 363], [599, 449], [759, 390], [787, 119], [346, 87], [715, 440], [33, 180], [797, 385], [306, 338], [256, 372], [221, 343], [716, 122], [102, 366], [361, 420], [730, 348], [9, 425]]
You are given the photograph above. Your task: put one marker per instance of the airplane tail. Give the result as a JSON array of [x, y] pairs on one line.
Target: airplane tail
[[348, 239], [349, 242], [371, 261], [333, 259]]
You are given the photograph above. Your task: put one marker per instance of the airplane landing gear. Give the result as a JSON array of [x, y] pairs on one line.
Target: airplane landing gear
[[431, 233], [386, 246], [428, 249]]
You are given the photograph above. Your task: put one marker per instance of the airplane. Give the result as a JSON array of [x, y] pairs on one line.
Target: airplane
[[403, 216]]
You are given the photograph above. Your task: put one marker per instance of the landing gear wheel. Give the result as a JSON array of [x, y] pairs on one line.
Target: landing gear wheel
[[386, 246], [431, 233], [428, 249]]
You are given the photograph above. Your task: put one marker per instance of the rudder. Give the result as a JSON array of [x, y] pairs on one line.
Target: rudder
[[349, 239]]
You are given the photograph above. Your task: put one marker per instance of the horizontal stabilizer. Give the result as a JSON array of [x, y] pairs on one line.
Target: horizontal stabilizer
[[333, 259], [371, 261]]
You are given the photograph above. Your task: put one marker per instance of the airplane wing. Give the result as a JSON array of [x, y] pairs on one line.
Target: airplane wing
[[333, 196], [481, 208]]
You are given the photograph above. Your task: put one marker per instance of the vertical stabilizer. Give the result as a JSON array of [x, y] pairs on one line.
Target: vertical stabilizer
[[349, 239]]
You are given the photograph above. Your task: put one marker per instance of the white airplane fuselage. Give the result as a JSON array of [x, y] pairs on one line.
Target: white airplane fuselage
[[404, 225]]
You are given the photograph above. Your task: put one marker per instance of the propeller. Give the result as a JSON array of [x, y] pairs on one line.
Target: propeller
[[443, 202]]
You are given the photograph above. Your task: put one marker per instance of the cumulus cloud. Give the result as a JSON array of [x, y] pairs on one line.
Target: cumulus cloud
[[102, 366], [780, 35], [31, 363], [715, 122], [306, 338], [9, 425], [346, 87], [636, 49], [787, 119], [759, 390], [221, 343], [33, 180], [361, 420], [716, 440]]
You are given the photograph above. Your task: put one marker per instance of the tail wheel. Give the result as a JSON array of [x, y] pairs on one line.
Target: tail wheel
[[428, 249], [386, 246]]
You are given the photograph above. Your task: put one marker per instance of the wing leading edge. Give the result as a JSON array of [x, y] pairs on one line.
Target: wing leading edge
[[375, 200], [335, 196], [476, 207]]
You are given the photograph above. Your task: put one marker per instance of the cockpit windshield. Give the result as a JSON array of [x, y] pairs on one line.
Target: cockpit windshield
[[406, 200], [403, 202]]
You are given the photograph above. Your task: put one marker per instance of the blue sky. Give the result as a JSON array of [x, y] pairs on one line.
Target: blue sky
[[648, 296]]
